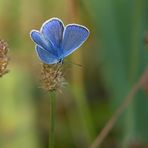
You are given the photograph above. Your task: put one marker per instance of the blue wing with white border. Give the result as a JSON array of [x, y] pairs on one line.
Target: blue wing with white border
[[74, 36]]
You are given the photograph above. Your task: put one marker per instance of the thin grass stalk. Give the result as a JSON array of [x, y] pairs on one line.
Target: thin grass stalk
[[52, 119], [142, 83]]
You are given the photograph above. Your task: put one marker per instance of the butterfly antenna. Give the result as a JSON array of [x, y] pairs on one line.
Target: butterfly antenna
[[75, 64]]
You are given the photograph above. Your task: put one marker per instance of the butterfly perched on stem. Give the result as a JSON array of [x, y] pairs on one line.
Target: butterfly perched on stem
[[55, 41]]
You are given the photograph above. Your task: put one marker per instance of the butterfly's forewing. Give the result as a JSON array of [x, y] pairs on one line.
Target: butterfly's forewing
[[38, 38], [45, 56], [53, 31], [74, 37]]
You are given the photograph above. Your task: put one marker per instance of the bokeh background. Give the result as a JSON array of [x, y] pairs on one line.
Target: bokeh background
[[112, 59]]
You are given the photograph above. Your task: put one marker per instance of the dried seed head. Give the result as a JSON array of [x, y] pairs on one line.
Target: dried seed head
[[3, 57], [52, 77], [3, 47]]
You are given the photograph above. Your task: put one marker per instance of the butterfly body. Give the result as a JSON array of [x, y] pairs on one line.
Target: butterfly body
[[55, 41]]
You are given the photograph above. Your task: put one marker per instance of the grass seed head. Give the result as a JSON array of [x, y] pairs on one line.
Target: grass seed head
[[52, 77], [3, 57]]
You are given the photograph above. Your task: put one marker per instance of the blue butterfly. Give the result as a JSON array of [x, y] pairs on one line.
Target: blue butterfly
[[55, 41]]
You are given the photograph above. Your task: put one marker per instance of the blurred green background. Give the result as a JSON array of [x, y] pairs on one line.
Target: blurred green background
[[113, 59]]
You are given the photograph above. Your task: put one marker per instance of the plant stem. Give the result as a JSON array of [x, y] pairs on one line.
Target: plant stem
[[52, 119], [142, 83]]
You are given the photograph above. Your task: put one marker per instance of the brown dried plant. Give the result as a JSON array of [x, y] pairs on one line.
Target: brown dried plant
[[3, 57], [52, 77]]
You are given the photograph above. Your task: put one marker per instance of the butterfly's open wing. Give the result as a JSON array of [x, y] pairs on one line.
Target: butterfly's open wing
[[45, 56], [74, 36], [53, 31], [39, 39]]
